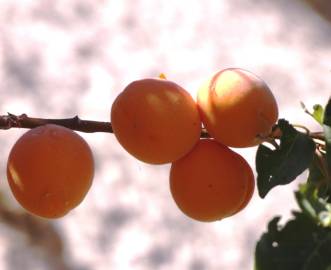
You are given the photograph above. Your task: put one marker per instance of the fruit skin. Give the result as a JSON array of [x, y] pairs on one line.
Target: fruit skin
[[50, 170], [156, 120], [250, 184], [211, 182], [237, 108]]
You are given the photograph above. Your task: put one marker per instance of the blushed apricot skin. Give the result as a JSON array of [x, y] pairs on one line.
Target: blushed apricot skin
[[50, 170], [237, 108], [211, 182], [155, 120]]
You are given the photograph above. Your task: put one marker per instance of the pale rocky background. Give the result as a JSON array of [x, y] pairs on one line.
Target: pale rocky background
[[60, 58]]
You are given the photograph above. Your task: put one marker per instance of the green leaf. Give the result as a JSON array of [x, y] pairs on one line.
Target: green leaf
[[327, 133], [318, 113], [327, 113], [315, 172], [313, 205], [282, 165], [300, 244], [318, 178]]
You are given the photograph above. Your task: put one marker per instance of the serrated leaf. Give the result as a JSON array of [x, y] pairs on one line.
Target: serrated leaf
[[318, 113], [327, 133], [282, 165], [300, 244]]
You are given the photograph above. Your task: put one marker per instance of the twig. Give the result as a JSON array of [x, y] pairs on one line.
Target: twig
[[302, 127], [74, 123], [323, 165], [303, 106], [317, 135]]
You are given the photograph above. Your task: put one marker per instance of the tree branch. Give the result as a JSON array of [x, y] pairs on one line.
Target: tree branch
[[74, 123]]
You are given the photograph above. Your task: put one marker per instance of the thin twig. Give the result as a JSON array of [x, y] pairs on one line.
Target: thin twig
[[317, 135], [323, 165], [302, 127], [74, 123], [303, 106]]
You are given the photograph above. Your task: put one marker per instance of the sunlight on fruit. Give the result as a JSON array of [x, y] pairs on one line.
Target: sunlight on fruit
[[14, 175], [237, 108]]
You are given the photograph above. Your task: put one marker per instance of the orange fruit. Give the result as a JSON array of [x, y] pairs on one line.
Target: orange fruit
[[211, 182], [237, 108], [156, 120], [50, 170]]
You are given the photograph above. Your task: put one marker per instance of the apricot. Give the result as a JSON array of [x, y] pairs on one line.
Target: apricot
[[237, 108], [211, 182], [250, 184], [156, 120], [50, 170]]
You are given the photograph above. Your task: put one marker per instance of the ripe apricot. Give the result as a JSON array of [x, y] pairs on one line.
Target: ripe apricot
[[211, 182], [250, 184], [237, 108], [50, 170], [155, 120]]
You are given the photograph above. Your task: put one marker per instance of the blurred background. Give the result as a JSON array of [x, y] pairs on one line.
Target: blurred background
[[60, 58]]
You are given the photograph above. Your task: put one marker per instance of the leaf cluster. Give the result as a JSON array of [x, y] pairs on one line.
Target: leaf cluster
[[305, 241], [299, 245]]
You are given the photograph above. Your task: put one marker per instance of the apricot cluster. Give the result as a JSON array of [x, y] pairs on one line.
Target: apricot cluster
[[158, 122], [50, 168]]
